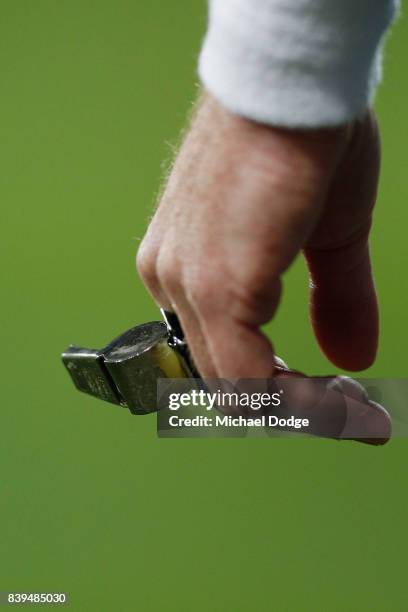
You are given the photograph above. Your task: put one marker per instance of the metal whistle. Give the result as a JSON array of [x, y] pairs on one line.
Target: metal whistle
[[125, 371]]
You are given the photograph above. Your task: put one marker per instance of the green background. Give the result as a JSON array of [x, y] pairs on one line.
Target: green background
[[92, 96]]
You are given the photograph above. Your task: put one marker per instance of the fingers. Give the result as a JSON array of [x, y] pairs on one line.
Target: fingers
[[161, 277], [329, 407], [230, 323], [221, 330], [336, 408], [194, 336], [237, 349]]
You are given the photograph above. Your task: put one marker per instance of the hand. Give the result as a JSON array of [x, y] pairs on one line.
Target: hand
[[243, 199]]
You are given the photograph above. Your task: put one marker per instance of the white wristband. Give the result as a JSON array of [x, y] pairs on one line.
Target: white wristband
[[295, 63]]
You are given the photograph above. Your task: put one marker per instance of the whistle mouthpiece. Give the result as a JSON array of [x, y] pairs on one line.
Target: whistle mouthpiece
[[125, 372]]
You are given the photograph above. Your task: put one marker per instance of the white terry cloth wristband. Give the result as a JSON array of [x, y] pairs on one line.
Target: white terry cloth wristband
[[295, 63]]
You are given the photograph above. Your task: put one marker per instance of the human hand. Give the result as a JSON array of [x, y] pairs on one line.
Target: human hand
[[243, 199]]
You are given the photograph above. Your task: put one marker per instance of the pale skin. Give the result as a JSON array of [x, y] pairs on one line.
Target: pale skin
[[242, 200]]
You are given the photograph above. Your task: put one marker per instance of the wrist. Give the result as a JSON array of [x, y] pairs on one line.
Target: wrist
[[270, 148]]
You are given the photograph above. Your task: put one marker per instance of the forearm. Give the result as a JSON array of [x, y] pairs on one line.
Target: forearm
[[296, 63]]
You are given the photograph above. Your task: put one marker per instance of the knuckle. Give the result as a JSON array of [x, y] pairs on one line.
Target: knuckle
[[199, 298], [253, 292], [146, 264], [203, 291], [213, 291], [242, 302], [167, 270], [251, 298], [252, 303]]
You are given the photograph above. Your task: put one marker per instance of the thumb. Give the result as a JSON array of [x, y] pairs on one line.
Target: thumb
[[344, 309]]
